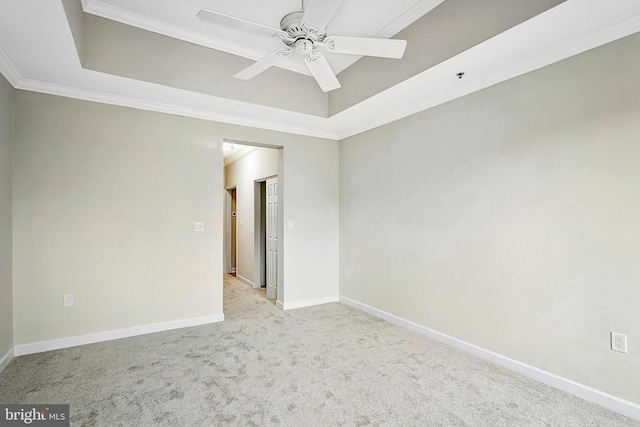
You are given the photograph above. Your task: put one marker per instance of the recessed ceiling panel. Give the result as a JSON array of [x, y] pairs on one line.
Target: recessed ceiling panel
[[118, 49], [180, 19], [448, 30]]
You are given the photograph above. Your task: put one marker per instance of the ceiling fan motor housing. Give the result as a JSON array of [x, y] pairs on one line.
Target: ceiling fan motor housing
[[301, 37]]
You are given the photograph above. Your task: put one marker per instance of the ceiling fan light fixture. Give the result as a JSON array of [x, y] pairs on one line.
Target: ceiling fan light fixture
[[303, 46]]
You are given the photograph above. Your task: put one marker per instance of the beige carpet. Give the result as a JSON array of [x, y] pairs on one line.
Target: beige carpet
[[321, 366]]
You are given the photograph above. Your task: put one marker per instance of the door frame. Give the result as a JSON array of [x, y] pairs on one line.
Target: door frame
[[259, 216], [281, 210], [226, 253]]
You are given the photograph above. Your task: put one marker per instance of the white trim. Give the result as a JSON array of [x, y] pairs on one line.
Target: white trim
[[55, 344], [6, 359], [8, 70], [245, 281], [238, 156], [142, 104], [408, 18], [307, 302], [280, 305], [603, 399], [385, 107]]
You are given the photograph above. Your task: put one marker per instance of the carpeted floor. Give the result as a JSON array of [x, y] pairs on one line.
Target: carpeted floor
[[328, 365]]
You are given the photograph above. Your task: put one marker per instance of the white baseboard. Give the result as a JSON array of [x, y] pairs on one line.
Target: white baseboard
[[280, 305], [6, 359], [55, 344], [613, 403], [244, 280], [308, 302]]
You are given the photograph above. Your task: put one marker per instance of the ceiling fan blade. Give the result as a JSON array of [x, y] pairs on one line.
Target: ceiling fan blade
[[384, 48], [322, 72], [319, 13], [258, 67], [238, 23]]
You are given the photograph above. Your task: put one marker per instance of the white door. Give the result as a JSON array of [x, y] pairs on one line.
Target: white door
[[272, 237]]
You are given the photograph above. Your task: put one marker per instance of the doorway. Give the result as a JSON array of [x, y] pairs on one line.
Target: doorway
[[252, 235]]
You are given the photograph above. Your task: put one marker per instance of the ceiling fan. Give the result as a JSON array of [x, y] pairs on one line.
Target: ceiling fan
[[304, 32]]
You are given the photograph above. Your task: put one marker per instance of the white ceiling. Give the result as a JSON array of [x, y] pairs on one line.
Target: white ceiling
[[37, 53]]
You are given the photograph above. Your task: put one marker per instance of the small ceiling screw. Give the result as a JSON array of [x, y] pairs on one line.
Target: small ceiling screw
[[460, 74]]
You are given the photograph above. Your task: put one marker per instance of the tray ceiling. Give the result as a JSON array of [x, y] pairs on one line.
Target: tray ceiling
[[48, 47]]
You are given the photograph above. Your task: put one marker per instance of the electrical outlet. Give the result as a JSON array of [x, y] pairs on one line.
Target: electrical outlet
[[67, 301], [198, 226], [346, 272], [618, 342]]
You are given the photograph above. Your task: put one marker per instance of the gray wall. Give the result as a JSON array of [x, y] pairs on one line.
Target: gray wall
[[104, 200], [509, 218], [104, 204], [6, 239]]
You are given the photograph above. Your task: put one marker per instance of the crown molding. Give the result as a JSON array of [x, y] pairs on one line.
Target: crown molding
[[384, 107], [8, 70], [159, 107], [560, 52], [408, 18], [238, 156], [107, 11]]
